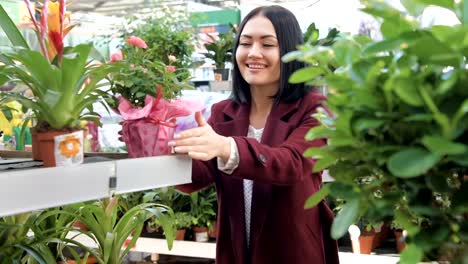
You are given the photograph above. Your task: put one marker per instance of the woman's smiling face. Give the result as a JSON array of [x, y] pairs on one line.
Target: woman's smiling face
[[258, 53]]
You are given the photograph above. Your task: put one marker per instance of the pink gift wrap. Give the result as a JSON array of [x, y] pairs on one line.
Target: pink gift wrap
[[144, 138], [146, 131]]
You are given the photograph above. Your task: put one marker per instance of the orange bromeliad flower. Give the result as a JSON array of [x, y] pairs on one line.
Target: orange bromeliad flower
[[53, 24], [70, 146]]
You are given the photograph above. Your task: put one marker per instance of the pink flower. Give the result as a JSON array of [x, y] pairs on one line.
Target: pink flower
[[137, 42], [116, 56], [170, 68]]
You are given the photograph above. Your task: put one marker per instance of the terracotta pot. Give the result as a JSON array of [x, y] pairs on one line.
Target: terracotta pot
[[366, 243], [381, 236], [399, 242], [43, 146], [200, 234], [80, 225], [36, 151], [212, 233], [180, 234]]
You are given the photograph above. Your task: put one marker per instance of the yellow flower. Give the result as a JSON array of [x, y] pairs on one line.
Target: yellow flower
[[53, 20], [70, 146]]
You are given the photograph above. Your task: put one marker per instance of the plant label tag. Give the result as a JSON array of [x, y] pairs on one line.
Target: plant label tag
[[68, 149]]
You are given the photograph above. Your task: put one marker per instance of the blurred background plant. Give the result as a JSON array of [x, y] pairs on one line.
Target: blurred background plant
[[165, 61]]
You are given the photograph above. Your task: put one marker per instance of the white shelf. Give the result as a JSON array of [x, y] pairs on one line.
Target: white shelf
[[208, 250], [32, 189]]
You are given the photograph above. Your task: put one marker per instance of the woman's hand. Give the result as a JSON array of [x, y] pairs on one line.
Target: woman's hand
[[202, 143]]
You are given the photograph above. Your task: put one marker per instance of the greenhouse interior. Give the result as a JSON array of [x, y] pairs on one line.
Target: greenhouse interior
[[234, 131]]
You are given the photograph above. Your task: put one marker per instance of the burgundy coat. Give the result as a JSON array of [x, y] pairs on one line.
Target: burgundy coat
[[281, 230]]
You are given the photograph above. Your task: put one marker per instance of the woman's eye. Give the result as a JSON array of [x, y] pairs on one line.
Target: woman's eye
[[244, 44], [268, 45]]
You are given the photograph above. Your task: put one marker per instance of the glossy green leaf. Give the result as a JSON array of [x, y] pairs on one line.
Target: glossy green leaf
[[346, 52], [346, 217], [407, 91], [315, 152], [411, 162], [343, 190], [317, 197], [441, 146], [411, 255], [363, 124], [324, 163], [431, 50], [306, 74], [11, 30], [318, 132]]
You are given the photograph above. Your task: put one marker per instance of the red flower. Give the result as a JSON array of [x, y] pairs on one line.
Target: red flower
[[57, 42], [116, 56], [137, 42], [170, 68]]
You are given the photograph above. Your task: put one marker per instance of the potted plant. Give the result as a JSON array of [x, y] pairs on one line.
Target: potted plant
[[47, 243], [397, 138], [220, 51], [182, 221], [202, 212], [115, 235], [145, 89], [179, 203], [62, 81]]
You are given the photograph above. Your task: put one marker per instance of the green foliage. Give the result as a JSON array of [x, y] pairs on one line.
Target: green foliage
[[110, 231], [202, 207], [220, 50], [145, 69], [60, 92], [397, 141], [49, 227], [182, 220]]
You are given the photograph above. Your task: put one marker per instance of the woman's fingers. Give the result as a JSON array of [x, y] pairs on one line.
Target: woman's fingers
[[199, 155], [194, 132], [200, 119]]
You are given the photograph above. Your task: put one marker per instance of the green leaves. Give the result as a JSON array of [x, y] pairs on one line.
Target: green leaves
[[397, 141], [11, 30], [317, 197], [411, 162], [306, 74], [412, 254], [346, 217], [441, 146]]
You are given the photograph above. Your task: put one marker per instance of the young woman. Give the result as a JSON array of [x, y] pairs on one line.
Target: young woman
[[252, 149]]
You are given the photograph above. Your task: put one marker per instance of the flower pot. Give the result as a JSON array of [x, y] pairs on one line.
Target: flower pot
[[221, 74], [399, 240], [36, 151], [144, 138], [200, 234], [365, 244], [180, 234], [80, 225], [212, 233], [52, 150]]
